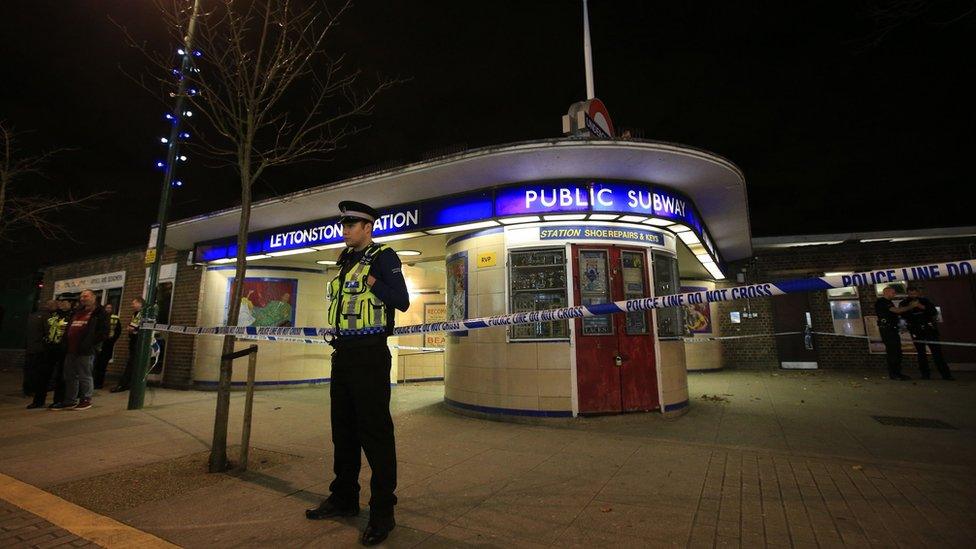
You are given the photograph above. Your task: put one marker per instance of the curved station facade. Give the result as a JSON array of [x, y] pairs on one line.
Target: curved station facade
[[506, 229], [500, 230]]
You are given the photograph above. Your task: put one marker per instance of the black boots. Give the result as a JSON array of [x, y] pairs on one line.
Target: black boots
[[328, 509]]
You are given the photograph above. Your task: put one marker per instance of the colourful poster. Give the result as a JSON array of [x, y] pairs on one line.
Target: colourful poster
[[434, 312], [265, 301], [698, 317], [457, 288]]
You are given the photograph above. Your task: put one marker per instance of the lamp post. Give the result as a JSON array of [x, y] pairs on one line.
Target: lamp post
[[154, 256]]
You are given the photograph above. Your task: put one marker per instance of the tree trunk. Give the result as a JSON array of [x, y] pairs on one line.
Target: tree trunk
[[218, 450]]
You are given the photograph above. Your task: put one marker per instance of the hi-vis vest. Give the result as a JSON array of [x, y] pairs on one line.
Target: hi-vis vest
[[56, 324], [113, 328], [353, 308]]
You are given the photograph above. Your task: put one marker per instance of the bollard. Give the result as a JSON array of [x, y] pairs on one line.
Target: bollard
[[252, 361], [218, 450]]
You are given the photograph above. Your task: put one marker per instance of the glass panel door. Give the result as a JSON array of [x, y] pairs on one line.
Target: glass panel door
[[594, 281], [635, 287]]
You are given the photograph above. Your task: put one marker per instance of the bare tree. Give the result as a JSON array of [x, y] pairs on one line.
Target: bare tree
[[23, 209], [889, 16], [265, 91]]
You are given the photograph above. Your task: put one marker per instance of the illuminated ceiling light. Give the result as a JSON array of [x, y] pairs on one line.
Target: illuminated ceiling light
[[408, 252], [335, 246], [258, 256], [697, 248], [564, 217], [326, 262], [224, 260], [291, 252], [393, 237], [689, 237], [703, 257], [465, 227], [603, 217], [679, 229], [657, 222], [633, 218], [799, 244], [522, 219], [715, 271]]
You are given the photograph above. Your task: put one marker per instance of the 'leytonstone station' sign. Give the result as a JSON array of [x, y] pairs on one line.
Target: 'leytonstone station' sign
[[551, 197]]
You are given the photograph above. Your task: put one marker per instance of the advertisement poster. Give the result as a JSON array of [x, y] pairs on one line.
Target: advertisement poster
[[434, 312], [457, 288], [265, 301], [698, 317]]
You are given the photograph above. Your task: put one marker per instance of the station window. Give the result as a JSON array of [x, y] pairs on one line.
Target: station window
[[537, 281]]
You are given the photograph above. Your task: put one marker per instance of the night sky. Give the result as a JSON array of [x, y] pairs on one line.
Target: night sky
[[835, 130]]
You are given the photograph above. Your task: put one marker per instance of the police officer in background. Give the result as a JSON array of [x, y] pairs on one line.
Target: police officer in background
[[362, 299], [922, 325], [888, 314], [108, 346], [133, 331]]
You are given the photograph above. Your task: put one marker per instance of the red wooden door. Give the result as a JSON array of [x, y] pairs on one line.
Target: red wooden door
[[615, 368]]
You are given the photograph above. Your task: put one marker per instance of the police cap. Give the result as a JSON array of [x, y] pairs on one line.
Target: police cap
[[357, 211]]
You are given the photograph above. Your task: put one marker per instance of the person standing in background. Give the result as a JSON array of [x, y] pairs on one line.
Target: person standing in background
[[133, 330], [108, 346], [888, 313], [922, 324], [34, 357], [87, 329]]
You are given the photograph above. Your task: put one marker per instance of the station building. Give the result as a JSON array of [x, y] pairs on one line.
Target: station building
[[502, 229], [524, 227]]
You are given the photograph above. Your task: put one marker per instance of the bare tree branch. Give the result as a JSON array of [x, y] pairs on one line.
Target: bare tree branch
[[20, 210], [270, 94]]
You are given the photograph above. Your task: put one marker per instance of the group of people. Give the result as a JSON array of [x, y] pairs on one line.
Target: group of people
[[69, 346], [920, 318]]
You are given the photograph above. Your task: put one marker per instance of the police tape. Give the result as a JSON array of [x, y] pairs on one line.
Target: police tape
[[691, 339], [705, 339], [751, 291], [311, 341]]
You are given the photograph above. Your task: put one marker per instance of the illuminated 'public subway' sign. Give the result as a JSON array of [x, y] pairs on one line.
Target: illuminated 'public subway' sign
[[549, 197]]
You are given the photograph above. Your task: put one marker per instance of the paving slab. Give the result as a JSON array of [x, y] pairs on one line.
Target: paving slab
[[781, 459]]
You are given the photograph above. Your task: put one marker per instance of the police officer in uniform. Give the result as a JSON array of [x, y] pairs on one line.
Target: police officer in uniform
[[922, 325], [108, 346], [888, 313], [362, 299]]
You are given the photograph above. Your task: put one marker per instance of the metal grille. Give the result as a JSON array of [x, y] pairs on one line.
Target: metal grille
[[913, 422]]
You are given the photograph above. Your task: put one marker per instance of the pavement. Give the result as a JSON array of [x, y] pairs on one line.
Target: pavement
[[774, 459]]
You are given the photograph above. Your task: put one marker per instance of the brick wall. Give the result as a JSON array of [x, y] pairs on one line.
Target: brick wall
[[810, 261], [186, 296]]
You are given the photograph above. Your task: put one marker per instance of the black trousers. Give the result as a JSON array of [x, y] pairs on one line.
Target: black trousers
[[126, 378], [32, 361], [101, 362], [892, 343], [49, 370], [361, 422], [923, 359]]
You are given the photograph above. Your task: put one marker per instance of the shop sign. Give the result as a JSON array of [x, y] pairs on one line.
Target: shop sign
[[588, 232], [531, 199], [487, 259], [93, 282]]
